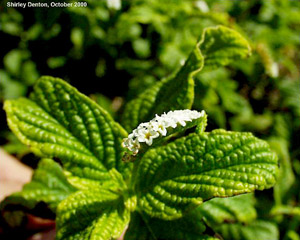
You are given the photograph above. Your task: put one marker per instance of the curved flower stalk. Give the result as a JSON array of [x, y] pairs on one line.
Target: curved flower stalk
[[158, 126]]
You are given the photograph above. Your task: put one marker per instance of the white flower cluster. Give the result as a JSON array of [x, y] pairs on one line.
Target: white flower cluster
[[148, 131]]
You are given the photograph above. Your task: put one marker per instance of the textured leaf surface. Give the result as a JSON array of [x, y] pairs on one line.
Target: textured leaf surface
[[233, 209], [61, 122], [175, 92], [260, 230], [48, 185], [173, 178], [221, 45], [97, 214]]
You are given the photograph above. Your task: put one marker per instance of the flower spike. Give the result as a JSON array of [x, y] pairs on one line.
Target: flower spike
[[158, 126]]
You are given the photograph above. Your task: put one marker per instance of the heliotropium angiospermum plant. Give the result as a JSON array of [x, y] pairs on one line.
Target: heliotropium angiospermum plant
[[153, 170]]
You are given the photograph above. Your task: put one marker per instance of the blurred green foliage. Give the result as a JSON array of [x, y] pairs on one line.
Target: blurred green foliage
[[111, 51]]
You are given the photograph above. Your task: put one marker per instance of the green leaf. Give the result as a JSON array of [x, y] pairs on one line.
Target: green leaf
[[189, 227], [258, 229], [221, 45], [175, 92], [9, 88], [61, 122], [13, 60], [174, 178], [286, 176], [287, 210], [97, 214], [234, 209], [48, 185]]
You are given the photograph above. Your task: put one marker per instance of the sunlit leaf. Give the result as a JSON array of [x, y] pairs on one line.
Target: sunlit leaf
[[174, 178]]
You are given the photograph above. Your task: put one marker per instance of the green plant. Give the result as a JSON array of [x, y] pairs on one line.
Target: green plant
[[96, 194]]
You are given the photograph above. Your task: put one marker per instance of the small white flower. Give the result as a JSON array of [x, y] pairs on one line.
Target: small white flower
[[147, 134], [131, 143], [135, 147], [127, 142], [159, 126], [169, 120]]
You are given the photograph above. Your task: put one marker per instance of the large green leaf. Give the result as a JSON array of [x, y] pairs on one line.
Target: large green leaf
[[175, 92], [48, 185], [97, 214], [234, 209], [61, 122], [174, 178], [221, 45]]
